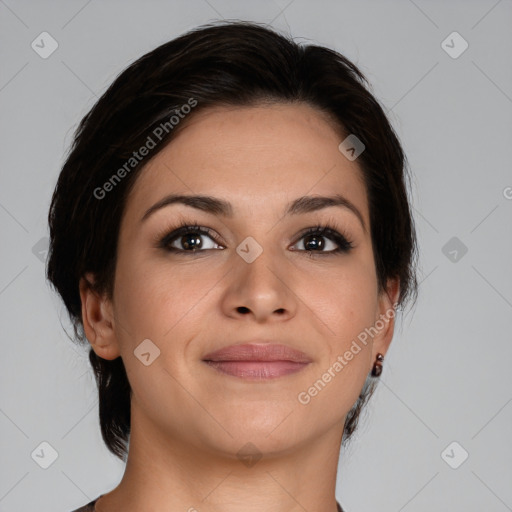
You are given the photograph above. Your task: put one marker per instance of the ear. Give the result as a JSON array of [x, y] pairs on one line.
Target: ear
[[385, 321], [98, 320]]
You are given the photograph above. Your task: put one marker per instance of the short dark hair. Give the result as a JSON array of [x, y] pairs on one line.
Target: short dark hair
[[234, 63]]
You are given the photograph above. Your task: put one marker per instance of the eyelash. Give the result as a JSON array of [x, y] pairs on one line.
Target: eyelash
[[328, 230]]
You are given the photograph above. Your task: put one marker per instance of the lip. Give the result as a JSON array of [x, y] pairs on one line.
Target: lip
[[257, 360], [263, 352]]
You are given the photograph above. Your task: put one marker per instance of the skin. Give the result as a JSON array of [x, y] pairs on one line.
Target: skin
[[188, 420]]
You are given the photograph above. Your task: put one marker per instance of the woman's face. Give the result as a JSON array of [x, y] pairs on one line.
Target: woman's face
[[251, 279]]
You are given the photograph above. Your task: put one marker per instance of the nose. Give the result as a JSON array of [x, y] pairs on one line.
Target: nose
[[260, 290]]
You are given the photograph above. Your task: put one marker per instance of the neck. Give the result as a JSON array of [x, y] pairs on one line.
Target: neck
[[165, 472]]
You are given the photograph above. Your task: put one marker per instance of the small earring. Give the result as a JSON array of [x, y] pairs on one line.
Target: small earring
[[377, 366]]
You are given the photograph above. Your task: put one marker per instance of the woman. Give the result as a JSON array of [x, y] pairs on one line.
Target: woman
[[231, 233]]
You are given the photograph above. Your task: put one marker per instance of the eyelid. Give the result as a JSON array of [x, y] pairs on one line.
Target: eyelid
[[185, 222]]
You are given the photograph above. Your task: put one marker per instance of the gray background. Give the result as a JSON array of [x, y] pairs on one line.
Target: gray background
[[447, 375]]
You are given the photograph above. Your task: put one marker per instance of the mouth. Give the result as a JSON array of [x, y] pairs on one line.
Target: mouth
[[257, 361], [257, 369]]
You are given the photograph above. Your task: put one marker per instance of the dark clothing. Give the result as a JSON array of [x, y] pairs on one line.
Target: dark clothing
[[90, 506]]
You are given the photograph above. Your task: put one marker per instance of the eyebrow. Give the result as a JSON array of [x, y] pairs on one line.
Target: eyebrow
[[216, 206]]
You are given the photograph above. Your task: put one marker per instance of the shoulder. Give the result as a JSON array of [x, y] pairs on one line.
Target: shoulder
[[87, 508]]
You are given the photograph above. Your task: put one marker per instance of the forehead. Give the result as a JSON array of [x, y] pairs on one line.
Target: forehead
[[263, 155]]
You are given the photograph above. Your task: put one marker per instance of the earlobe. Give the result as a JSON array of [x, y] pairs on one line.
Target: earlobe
[[97, 319]]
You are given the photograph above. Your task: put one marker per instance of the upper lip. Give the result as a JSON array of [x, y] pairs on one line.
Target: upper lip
[[258, 352]]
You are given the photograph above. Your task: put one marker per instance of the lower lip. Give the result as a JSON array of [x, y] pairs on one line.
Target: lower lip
[[257, 369]]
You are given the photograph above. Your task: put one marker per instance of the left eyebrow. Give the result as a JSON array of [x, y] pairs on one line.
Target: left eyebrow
[[308, 204], [216, 206]]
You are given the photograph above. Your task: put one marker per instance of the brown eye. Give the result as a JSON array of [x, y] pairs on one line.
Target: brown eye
[[322, 239], [314, 242], [188, 239], [191, 241]]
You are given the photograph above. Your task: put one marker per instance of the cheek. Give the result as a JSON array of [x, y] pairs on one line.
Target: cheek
[[154, 300], [343, 296], [344, 304]]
